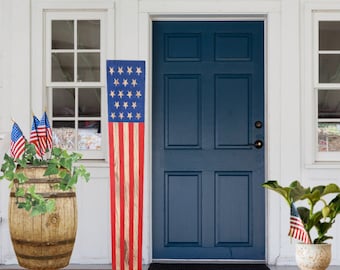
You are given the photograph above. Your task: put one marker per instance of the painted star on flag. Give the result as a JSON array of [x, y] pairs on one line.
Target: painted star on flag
[[134, 82], [129, 70], [138, 70], [120, 70], [138, 94]]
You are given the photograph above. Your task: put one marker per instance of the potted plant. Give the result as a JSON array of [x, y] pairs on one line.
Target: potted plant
[[311, 221], [42, 208]]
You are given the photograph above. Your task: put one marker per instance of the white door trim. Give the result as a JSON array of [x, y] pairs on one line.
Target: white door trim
[[151, 11]]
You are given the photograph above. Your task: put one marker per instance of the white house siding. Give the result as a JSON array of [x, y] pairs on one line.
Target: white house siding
[[287, 110]]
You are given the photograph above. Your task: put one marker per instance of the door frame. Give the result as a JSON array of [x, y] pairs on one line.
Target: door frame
[[271, 18]]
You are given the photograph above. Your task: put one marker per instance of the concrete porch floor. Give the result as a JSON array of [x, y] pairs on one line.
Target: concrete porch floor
[[145, 267]]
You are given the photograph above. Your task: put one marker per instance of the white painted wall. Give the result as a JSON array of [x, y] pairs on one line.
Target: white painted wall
[[286, 113]]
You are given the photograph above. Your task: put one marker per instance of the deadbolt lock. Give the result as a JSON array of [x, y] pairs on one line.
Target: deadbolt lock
[[258, 144]]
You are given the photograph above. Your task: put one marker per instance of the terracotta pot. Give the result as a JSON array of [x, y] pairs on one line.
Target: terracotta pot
[[313, 256], [44, 241]]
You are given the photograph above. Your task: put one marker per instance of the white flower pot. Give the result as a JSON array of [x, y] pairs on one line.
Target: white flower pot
[[313, 256]]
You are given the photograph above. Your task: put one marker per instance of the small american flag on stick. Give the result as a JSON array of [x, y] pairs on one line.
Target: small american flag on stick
[[297, 229], [34, 138], [17, 142], [44, 131]]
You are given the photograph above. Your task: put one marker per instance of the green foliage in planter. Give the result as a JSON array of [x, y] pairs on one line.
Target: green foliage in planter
[[60, 163], [321, 218]]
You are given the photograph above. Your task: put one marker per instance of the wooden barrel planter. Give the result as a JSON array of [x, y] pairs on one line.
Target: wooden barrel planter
[[45, 241]]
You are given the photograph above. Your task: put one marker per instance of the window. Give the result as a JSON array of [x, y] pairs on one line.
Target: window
[[327, 86], [75, 80]]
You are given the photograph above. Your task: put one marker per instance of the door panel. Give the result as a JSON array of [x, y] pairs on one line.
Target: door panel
[[182, 122], [232, 110], [235, 230], [182, 197], [208, 92]]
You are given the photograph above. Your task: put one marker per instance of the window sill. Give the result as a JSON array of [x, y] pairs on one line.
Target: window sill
[[324, 165]]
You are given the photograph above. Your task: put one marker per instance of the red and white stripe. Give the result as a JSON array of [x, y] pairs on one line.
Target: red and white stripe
[[127, 181], [34, 139], [17, 148], [297, 230]]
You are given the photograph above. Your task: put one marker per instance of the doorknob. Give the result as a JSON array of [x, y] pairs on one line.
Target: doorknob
[[258, 124], [258, 144]]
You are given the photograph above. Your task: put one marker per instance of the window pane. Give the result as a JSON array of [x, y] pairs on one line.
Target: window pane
[[88, 67], [89, 102], [89, 135], [62, 67], [63, 102], [64, 134], [89, 34], [329, 103], [62, 35], [329, 68], [329, 35], [329, 137]]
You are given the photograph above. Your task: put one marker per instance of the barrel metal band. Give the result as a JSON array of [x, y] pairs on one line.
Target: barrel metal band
[[41, 180], [52, 194], [52, 257], [43, 244]]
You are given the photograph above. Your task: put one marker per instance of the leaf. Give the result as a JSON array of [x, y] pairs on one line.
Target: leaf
[[37, 210], [325, 211], [81, 171], [297, 191], [313, 197], [322, 228], [322, 239], [51, 170], [72, 181], [22, 178], [50, 206], [9, 175], [21, 205], [7, 163], [56, 151], [24, 205], [22, 163], [318, 189], [76, 157], [331, 188], [314, 219], [20, 192], [31, 189], [27, 206], [335, 203], [304, 214], [283, 191], [66, 163]]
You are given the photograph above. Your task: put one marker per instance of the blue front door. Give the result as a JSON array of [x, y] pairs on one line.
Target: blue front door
[[208, 140]]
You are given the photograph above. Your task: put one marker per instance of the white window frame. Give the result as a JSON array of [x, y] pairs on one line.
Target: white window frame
[[322, 156], [75, 16], [312, 12], [42, 12]]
